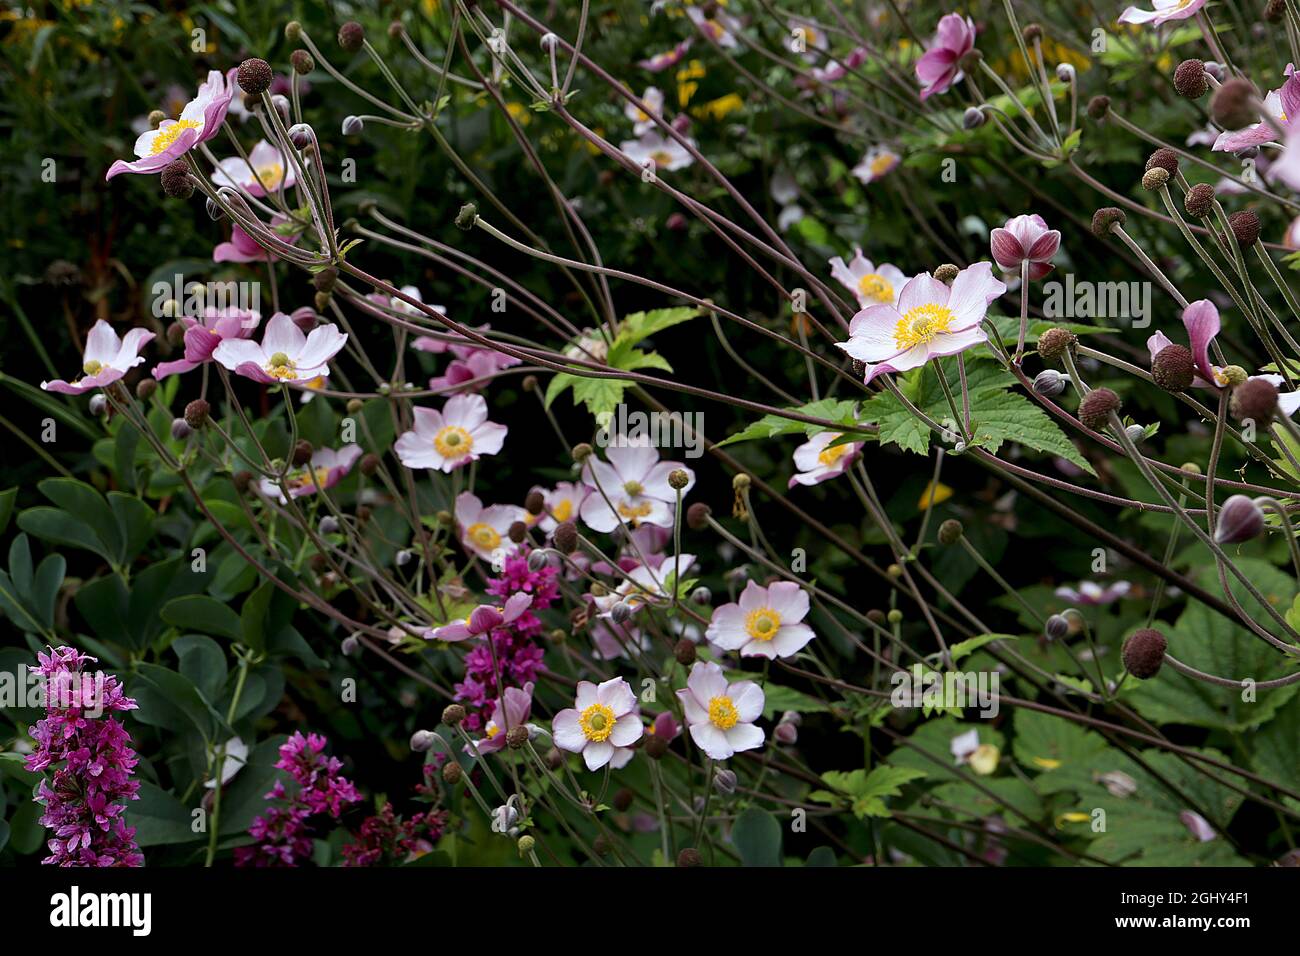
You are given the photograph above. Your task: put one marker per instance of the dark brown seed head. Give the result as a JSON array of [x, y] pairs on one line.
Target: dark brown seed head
[[697, 516], [302, 452], [1053, 343], [1233, 104], [565, 537], [689, 857], [946, 273], [684, 651], [302, 62], [369, 463], [518, 531], [1199, 201], [1144, 652], [176, 180], [453, 714], [196, 414], [351, 36], [1165, 159], [254, 76], [1098, 107], [1245, 227], [1255, 400], [1189, 79], [1106, 219], [1095, 409], [1173, 368]]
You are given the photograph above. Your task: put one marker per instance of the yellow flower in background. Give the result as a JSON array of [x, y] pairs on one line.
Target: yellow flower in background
[[985, 759], [1073, 816], [1054, 52], [522, 114], [934, 494], [1047, 763], [686, 76], [719, 108]]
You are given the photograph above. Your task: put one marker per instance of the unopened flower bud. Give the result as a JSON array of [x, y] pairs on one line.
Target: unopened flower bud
[[950, 532], [1135, 433], [214, 211], [352, 125], [1240, 519], [329, 525], [1049, 383], [1065, 72], [973, 118], [724, 781], [1057, 627], [702, 596], [537, 560], [181, 430], [98, 404], [422, 740], [300, 135], [786, 733]]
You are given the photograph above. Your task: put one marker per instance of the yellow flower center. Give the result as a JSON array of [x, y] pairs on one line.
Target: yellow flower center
[[882, 164], [563, 510], [270, 175], [921, 324], [491, 730], [93, 367], [661, 157], [832, 453], [876, 287], [484, 535], [722, 713], [633, 488], [634, 513], [303, 479], [282, 367], [452, 441], [167, 136], [762, 625], [597, 722]]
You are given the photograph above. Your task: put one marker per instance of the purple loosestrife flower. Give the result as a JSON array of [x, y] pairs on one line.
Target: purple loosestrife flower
[[284, 833], [93, 764]]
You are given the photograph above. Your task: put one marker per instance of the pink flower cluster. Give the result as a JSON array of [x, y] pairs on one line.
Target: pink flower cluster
[[283, 833], [517, 653], [84, 798], [387, 838]]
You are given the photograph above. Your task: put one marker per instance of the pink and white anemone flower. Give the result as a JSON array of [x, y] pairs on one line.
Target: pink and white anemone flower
[[931, 320], [764, 622], [1163, 12], [482, 620], [870, 284], [654, 151], [602, 724], [720, 715], [203, 335], [1286, 168], [266, 170], [199, 121], [285, 355], [512, 709], [326, 469], [563, 502], [662, 61], [818, 460], [648, 583], [1282, 105], [451, 438], [106, 359], [241, 248], [940, 66], [721, 29], [636, 483], [877, 162], [1092, 594], [1201, 319], [1025, 239], [472, 362], [484, 531], [643, 121]]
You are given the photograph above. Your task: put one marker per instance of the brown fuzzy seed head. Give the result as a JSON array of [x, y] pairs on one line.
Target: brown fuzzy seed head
[[1165, 159], [1232, 106], [241, 480], [1032, 32], [145, 388], [451, 773], [302, 452], [1154, 179], [684, 651], [1095, 409], [1245, 227], [517, 737], [1144, 652], [678, 479], [254, 76], [697, 516], [293, 31], [1255, 400], [623, 798], [1098, 107], [535, 503], [176, 180], [565, 537], [1274, 10], [196, 413], [1199, 201], [517, 532], [689, 857], [581, 452], [302, 62], [1173, 368], [950, 531], [453, 714], [946, 273], [656, 747], [351, 36], [1105, 219], [369, 463], [1053, 343], [1189, 79]]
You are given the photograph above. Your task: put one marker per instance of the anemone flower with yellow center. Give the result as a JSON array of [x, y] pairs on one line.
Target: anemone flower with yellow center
[[286, 355], [106, 359], [870, 283], [602, 725], [822, 457], [484, 531], [764, 621], [721, 715], [931, 320], [199, 121], [452, 437]]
